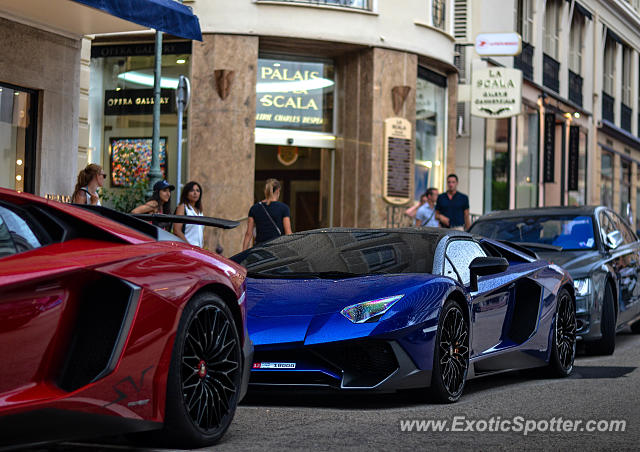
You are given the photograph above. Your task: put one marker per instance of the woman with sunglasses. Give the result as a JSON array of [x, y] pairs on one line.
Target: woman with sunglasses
[[89, 180]]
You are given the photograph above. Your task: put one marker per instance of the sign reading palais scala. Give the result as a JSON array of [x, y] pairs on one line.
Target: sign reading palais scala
[[294, 95], [496, 92]]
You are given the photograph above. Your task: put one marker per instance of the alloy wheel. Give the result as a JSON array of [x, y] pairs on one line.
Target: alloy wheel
[[454, 351], [210, 363]]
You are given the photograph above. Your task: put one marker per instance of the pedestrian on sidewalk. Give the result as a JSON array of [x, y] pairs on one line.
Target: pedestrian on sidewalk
[[452, 207], [426, 214], [271, 217], [159, 202], [190, 205], [411, 211], [89, 180]]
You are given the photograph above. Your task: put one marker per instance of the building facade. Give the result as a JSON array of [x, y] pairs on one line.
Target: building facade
[[575, 140], [299, 91]]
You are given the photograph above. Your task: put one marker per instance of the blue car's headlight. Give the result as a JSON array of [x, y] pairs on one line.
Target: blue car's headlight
[[582, 286], [369, 310]]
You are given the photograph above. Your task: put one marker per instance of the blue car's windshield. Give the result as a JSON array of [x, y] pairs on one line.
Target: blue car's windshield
[[567, 232], [343, 253]]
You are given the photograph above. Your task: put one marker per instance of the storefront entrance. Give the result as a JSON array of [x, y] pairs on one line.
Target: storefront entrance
[[298, 170], [18, 115]]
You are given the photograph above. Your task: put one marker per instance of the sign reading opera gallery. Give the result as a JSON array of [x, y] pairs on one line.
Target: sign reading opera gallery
[[294, 95], [496, 92]]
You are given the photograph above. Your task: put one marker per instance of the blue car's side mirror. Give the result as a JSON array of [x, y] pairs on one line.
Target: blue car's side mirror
[[482, 266]]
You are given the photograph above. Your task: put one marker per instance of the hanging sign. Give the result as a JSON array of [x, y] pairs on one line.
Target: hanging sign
[[496, 92], [574, 157], [549, 151], [397, 161], [498, 44]]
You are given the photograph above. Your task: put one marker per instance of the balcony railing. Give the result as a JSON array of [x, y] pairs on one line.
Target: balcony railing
[[355, 4], [550, 69], [607, 107], [524, 61], [625, 117], [575, 88]]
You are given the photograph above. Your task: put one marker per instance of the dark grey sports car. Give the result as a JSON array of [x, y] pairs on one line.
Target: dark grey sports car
[[600, 251]]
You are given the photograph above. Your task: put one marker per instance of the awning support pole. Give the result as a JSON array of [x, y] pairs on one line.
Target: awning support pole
[[155, 174]]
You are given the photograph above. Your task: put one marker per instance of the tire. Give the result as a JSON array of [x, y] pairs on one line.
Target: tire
[[450, 355], [606, 345], [563, 345], [635, 327], [204, 375]]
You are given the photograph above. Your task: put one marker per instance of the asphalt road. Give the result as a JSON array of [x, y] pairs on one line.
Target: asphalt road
[[601, 388]]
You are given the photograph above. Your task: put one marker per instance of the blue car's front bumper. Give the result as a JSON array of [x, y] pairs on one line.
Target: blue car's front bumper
[[369, 364]]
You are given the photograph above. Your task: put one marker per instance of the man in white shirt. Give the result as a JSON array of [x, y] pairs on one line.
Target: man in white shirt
[[426, 214]]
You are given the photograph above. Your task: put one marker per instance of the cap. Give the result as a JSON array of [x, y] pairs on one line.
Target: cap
[[162, 184]]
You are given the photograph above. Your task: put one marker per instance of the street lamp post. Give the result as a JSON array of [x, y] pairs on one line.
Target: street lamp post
[[155, 174]]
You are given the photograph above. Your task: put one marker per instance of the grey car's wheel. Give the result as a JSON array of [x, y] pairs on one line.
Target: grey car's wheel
[[606, 345], [635, 327], [451, 355], [563, 350], [205, 374]]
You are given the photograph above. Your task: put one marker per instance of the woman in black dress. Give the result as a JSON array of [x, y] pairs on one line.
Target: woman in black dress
[[270, 217]]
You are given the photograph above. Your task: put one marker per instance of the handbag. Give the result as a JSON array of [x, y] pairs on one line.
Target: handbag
[[271, 218]]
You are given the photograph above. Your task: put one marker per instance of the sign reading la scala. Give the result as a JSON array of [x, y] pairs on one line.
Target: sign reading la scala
[[496, 92]]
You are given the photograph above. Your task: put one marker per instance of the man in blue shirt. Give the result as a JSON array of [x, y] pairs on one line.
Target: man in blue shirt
[[426, 214], [452, 207]]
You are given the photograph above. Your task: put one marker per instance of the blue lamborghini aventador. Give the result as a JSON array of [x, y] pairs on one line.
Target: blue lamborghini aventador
[[389, 309]]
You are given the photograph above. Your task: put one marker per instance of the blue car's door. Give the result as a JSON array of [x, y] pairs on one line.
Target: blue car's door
[[490, 303]]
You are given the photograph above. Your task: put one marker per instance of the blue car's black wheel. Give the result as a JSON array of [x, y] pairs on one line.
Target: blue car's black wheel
[[563, 350], [205, 374], [451, 355]]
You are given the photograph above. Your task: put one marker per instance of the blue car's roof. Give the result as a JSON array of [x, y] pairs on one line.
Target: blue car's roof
[[348, 250]]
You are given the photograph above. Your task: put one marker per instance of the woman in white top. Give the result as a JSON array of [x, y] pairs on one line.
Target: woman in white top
[[89, 179], [191, 205]]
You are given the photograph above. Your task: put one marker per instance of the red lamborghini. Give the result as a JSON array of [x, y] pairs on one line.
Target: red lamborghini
[[110, 325]]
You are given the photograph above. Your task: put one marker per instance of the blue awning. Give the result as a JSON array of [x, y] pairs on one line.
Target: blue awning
[[164, 15]]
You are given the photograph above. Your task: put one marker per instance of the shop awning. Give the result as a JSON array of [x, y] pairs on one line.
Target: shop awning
[[88, 17], [164, 15]]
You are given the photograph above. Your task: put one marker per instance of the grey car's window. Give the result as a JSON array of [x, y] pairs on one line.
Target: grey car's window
[[570, 232], [7, 247], [606, 225], [621, 226], [461, 253]]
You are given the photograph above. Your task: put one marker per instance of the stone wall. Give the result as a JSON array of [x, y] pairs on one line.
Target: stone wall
[[221, 133], [366, 79]]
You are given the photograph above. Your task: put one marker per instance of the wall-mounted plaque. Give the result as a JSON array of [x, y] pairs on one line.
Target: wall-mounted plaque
[[397, 161]]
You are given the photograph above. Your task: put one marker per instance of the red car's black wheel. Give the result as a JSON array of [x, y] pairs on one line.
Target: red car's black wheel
[[205, 375], [451, 355]]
